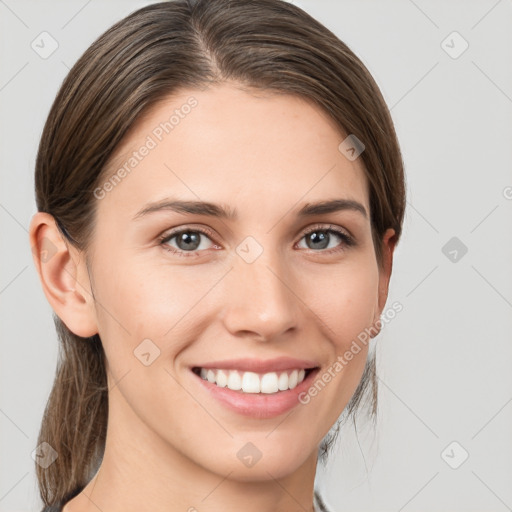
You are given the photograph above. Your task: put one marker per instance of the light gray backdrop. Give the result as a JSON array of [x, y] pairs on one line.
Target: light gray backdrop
[[444, 438]]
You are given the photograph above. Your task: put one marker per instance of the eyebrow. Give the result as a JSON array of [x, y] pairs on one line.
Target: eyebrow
[[216, 210]]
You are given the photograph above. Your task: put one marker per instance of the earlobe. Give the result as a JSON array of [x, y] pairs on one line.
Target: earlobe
[[63, 276]]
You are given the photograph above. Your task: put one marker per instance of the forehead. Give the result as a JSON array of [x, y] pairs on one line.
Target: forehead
[[246, 148]]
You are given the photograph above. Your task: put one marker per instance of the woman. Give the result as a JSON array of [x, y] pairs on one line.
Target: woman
[[219, 191]]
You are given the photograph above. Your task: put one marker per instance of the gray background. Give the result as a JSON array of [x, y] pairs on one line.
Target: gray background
[[444, 361]]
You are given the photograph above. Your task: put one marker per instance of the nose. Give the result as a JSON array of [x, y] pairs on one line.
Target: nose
[[261, 303]]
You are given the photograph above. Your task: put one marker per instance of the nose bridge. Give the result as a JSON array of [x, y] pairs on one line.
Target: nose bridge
[[259, 297]]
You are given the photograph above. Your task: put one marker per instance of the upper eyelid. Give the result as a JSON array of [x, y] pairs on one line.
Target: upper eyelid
[[322, 227]]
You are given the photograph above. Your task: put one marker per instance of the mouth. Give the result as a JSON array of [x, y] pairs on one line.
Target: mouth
[[254, 382], [256, 388]]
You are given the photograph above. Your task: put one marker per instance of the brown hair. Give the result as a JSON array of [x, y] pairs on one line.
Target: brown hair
[[264, 44]]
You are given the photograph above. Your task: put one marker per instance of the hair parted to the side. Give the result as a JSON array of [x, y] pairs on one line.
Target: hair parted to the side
[[268, 45]]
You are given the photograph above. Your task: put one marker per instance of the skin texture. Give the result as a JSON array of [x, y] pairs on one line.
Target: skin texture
[[169, 444]]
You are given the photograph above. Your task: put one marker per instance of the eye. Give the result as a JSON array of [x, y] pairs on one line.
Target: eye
[[319, 238], [187, 241]]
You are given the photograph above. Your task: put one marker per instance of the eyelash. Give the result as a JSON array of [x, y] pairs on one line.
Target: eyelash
[[347, 240]]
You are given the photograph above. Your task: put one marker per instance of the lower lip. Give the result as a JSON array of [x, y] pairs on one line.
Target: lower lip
[[258, 405]]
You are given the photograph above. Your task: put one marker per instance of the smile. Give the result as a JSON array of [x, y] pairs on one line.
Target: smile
[[251, 382], [255, 388]]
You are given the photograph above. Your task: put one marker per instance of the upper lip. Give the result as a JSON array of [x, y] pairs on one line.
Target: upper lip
[[260, 365]]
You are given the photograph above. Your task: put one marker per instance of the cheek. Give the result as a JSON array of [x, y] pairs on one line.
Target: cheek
[[144, 323], [344, 312], [348, 302], [138, 295], [137, 302]]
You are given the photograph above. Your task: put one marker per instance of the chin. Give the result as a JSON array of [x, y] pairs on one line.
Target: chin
[[261, 459]]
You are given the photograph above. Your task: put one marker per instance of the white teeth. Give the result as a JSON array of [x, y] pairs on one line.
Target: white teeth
[[234, 381], [292, 379], [283, 382], [269, 383], [250, 382], [222, 379]]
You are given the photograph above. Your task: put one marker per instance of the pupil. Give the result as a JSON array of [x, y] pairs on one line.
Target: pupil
[[188, 240], [323, 238]]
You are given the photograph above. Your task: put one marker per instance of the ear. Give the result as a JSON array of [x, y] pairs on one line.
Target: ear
[[388, 247], [63, 274]]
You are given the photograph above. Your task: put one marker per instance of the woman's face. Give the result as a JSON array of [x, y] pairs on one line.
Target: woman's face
[[270, 288]]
